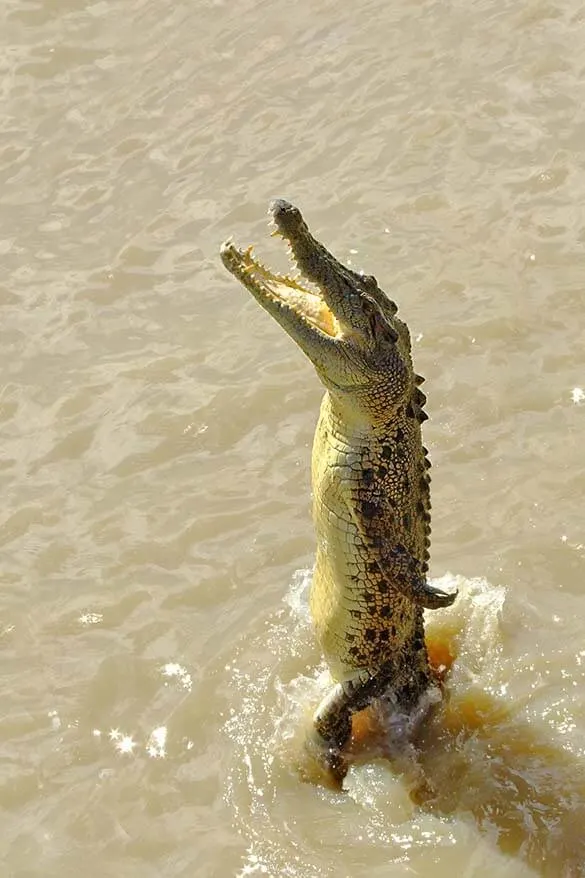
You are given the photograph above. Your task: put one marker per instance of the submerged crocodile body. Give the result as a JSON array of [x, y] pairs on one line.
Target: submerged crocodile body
[[370, 478]]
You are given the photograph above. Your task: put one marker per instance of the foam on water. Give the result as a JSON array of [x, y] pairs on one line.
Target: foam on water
[[470, 778]]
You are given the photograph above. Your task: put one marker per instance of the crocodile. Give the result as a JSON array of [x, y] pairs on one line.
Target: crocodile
[[370, 480]]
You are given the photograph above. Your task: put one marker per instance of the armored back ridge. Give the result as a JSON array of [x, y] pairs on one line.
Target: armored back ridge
[[370, 474]]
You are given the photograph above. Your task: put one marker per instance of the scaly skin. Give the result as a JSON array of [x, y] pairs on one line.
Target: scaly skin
[[370, 477]]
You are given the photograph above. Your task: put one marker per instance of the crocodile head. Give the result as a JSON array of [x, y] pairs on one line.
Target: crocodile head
[[341, 319]]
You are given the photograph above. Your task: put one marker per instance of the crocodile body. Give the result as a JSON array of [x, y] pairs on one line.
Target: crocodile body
[[370, 477]]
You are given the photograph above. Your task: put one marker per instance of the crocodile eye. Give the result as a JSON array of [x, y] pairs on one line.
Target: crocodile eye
[[379, 327], [371, 314]]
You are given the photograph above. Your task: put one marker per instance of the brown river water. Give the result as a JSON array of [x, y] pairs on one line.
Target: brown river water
[[157, 666]]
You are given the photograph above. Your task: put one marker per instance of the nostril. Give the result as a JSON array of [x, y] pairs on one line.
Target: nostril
[[285, 212]]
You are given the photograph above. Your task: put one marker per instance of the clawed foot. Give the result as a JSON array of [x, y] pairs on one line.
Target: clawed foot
[[327, 759], [435, 598]]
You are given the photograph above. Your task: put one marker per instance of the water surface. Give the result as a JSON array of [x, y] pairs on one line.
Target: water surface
[[156, 659]]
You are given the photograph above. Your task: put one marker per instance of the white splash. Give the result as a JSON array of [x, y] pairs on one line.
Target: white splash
[[297, 596], [577, 395]]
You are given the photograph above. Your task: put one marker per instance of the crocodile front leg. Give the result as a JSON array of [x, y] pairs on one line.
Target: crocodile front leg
[[396, 564]]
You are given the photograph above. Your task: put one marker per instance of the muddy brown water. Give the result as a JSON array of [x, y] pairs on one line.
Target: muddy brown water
[[156, 660]]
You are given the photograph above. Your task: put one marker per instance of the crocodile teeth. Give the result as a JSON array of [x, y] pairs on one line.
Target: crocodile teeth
[[291, 291]]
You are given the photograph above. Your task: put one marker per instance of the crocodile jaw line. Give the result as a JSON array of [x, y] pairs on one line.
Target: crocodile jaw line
[[281, 293]]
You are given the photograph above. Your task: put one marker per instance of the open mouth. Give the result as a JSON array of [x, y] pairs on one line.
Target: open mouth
[[282, 291]]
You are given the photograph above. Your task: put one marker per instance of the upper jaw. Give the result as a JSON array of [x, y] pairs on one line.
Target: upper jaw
[[342, 289]]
